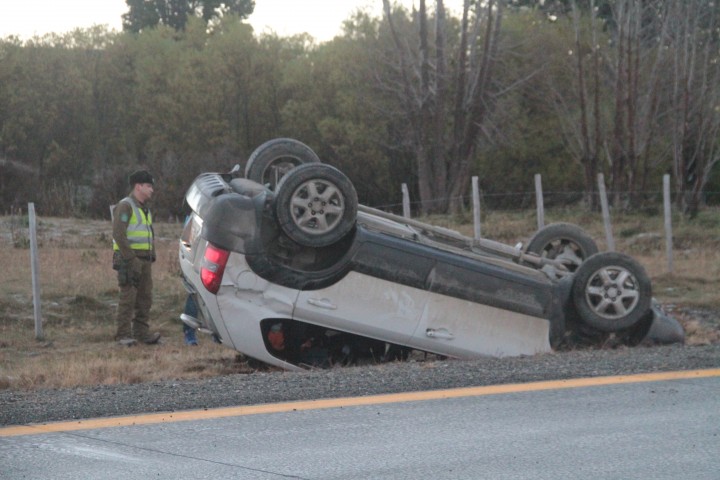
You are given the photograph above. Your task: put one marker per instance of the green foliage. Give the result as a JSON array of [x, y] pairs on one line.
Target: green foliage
[[148, 14], [78, 112]]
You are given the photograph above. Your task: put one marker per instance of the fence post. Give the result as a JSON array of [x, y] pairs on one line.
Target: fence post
[[35, 272], [405, 201], [539, 201], [605, 213], [476, 207], [668, 222]]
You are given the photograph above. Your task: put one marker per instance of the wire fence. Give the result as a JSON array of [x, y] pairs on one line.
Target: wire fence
[[648, 201], [645, 200]]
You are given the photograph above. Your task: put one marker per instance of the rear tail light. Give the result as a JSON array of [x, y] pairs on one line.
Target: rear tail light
[[213, 267]]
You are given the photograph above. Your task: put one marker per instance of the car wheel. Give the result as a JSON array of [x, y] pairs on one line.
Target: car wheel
[[316, 205], [564, 242], [611, 291], [274, 158]]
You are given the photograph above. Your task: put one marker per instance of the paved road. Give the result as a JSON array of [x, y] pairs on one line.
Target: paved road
[[660, 429]]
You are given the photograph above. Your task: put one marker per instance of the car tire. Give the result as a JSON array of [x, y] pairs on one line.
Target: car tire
[[269, 162], [316, 205], [565, 242], [611, 292]]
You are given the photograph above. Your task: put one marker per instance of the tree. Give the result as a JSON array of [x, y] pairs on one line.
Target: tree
[[637, 70], [660, 72], [612, 113], [525, 135], [695, 98], [231, 64], [340, 107], [578, 89], [445, 92], [144, 14], [47, 94]]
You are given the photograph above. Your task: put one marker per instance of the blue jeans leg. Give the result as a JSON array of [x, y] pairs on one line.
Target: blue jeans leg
[[189, 332]]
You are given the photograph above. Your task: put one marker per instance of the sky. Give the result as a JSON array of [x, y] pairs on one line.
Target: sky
[[320, 18]]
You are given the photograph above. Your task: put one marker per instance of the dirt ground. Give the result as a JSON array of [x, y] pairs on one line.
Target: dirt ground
[[79, 298]]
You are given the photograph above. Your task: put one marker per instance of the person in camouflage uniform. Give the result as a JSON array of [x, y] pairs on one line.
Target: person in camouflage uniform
[[133, 256]]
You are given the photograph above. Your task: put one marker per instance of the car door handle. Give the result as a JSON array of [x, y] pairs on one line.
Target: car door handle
[[322, 303], [440, 333]]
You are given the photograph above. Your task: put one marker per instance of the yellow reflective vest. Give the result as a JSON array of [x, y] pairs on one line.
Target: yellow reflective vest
[[139, 230]]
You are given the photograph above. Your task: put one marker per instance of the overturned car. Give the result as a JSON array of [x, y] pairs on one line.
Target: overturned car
[[286, 267]]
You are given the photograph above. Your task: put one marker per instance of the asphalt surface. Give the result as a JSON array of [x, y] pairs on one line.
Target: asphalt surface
[[664, 429], [37, 406]]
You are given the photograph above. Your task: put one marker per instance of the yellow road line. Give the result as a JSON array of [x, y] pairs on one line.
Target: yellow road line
[[172, 417]]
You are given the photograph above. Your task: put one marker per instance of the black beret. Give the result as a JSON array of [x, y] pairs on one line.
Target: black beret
[[141, 176]]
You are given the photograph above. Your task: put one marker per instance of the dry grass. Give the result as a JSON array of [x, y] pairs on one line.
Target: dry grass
[[79, 295], [79, 300]]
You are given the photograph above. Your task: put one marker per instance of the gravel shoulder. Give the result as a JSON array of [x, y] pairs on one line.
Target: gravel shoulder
[[38, 406]]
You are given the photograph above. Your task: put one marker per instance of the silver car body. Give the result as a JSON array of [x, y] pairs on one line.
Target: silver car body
[[386, 280]]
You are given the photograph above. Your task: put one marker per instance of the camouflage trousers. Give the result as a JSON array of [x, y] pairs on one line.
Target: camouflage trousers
[[133, 313]]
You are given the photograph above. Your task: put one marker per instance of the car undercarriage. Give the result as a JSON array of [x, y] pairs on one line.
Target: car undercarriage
[[289, 269]]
